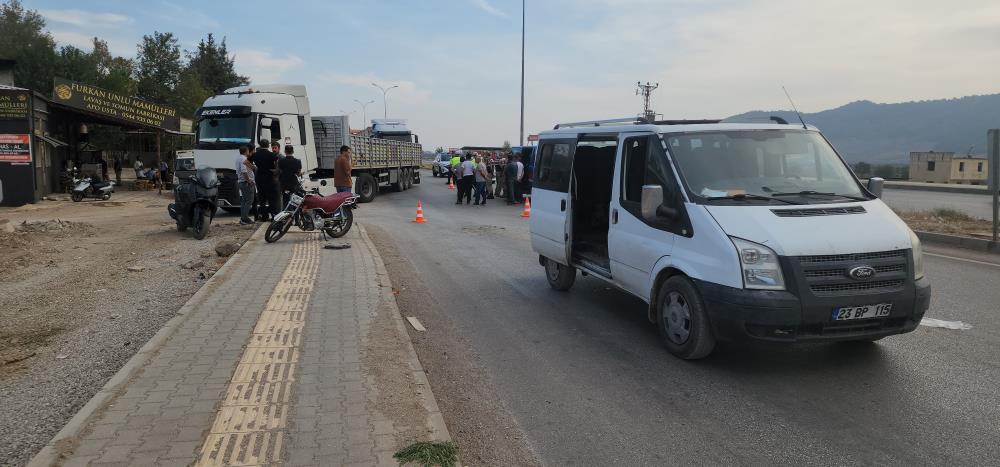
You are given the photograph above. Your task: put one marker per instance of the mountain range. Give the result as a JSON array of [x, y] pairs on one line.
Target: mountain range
[[886, 133]]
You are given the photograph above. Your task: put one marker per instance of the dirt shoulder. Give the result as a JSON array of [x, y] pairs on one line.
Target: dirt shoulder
[[482, 427], [84, 286], [947, 221]]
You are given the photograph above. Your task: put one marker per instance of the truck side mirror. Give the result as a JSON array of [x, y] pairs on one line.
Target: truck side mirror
[[652, 198], [266, 122], [265, 133], [875, 185]]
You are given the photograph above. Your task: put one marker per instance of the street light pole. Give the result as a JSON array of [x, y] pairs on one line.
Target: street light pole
[[364, 112], [385, 102], [522, 74]]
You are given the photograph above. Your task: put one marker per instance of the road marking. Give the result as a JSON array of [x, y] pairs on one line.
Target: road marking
[[938, 323], [250, 427], [984, 263], [416, 323]]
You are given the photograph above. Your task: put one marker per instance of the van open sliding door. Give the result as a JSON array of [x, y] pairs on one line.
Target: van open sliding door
[[551, 202]]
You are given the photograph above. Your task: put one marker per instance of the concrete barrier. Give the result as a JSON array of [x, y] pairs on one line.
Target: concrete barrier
[[940, 187]]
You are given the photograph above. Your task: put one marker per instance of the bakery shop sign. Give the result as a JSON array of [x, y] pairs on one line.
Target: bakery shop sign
[[116, 106]]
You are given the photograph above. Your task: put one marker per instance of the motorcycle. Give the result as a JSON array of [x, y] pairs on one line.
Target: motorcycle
[[195, 202], [332, 214], [91, 187]]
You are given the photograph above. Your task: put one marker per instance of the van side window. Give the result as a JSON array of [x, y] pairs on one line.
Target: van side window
[[552, 171], [645, 163]]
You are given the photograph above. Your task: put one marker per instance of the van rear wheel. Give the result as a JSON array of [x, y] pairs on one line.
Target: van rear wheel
[[560, 277], [683, 321]]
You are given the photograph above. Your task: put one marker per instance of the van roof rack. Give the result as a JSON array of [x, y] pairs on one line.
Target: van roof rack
[[633, 121]]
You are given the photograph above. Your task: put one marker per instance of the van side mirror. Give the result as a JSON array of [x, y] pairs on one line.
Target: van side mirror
[[875, 185], [652, 198]]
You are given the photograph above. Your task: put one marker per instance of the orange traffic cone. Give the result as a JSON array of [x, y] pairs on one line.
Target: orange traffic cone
[[420, 214], [451, 186], [527, 207]]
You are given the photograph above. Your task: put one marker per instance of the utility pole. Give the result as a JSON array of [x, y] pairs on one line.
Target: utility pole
[[521, 140], [385, 102], [646, 90]]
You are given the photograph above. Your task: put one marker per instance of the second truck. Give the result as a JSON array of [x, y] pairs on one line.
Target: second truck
[[387, 155]]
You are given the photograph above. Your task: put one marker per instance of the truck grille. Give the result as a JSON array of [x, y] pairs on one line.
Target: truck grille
[[829, 275]]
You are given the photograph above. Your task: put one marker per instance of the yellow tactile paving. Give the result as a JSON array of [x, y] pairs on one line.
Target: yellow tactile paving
[[250, 427]]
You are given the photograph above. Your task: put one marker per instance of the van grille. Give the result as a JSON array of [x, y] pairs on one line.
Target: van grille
[[829, 275], [819, 211]]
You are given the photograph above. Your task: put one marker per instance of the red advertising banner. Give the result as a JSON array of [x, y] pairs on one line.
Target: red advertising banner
[[15, 148]]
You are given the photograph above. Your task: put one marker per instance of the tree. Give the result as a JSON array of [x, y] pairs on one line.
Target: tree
[[885, 171], [506, 147], [158, 67], [77, 65], [22, 38], [439, 150], [115, 72], [214, 66], [190, 93]]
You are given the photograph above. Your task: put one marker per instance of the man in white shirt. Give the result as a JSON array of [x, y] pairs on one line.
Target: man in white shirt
[[246, 178], [468, 172]]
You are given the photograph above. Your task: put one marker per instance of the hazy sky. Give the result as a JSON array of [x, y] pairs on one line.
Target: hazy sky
[[457, 62]]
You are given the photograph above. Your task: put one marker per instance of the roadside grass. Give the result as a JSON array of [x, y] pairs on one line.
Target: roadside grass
[[947, 221], [428, 454]]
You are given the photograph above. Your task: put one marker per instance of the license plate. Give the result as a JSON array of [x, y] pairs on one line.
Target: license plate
[[862, 312], [296, 200]]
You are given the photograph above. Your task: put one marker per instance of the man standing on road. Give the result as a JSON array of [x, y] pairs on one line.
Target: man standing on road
[[291, 170], [245, 178], [510, 174], [453, 176], [117, 165], [482, 178], [265, 161], [342, 171], [467, 170]]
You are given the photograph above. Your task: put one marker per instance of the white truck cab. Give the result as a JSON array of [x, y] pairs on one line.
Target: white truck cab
[[728, 231]]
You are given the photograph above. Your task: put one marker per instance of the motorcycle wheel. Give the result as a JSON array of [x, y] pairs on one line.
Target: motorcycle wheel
[[77, 196], [202, 222], [277, 229], [180, 226], [106, 196], [344, 227]]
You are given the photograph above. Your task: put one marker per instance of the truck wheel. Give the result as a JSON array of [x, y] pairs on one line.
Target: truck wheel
[[407, 178], [682, 320], [367, 188], [560, 277]]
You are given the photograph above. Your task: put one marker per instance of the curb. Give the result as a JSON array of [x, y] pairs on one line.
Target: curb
[[958, 241], [51, 453], [435, 420]]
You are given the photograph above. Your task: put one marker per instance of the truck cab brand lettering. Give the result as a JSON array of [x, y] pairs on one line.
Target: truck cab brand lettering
[[216, 112]]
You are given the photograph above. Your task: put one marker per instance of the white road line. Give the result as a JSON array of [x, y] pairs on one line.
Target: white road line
[[940, 323], [984, 263]]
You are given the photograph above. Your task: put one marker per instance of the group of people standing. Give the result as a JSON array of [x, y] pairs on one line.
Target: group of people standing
[[473, 174], [265, 178]]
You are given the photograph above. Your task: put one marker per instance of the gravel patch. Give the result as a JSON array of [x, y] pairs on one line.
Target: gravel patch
[[83, 294]]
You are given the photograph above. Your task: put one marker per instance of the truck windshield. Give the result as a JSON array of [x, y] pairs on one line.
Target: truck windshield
[[235, 130], [761, 165]]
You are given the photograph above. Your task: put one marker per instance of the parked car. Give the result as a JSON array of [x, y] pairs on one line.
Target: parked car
[[726, 231], [441, 165]]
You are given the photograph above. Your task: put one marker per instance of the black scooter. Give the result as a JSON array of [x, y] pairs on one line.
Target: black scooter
[[195, 202]]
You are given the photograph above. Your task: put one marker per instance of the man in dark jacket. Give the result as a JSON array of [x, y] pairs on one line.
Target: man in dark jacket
[[291, 170], [267, 192]]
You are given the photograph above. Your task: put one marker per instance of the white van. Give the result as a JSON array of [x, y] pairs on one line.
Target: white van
[[728, 231]]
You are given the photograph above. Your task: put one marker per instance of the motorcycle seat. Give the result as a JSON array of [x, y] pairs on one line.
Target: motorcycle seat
[[328, 204]]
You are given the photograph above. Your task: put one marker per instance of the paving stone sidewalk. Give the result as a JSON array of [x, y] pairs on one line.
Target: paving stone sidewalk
[[290, 355]]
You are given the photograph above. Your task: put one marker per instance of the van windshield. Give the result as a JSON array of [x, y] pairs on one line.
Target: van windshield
[[760, 165]]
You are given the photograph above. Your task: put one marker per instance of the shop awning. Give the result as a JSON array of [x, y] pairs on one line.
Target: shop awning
[[54, 142]]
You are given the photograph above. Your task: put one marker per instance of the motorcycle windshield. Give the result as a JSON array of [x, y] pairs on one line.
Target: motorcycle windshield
[[207, 177]]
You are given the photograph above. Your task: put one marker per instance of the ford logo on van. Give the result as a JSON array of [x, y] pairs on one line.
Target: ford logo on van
[[862, 273]]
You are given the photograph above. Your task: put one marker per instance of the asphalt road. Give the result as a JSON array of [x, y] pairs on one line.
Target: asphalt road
[[585, 376], [980, 206]]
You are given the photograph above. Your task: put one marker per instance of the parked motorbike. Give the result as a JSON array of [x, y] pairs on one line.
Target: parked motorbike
[[91, 187], [195, 202], [332, 214]]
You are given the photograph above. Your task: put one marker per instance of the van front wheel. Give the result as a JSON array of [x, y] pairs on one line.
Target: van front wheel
[[560, 277], [682, 320]]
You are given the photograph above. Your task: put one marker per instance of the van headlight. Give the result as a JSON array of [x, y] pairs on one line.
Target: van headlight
[[761, 269], [918, 256]]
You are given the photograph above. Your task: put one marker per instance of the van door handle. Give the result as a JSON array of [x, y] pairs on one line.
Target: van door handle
[[614, 215], [562, 205]]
